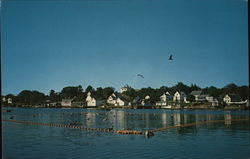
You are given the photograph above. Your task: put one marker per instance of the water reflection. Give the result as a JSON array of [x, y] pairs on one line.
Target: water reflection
[[90, 119], [177, 119], [228, 119], [122, 119], [20, 140]]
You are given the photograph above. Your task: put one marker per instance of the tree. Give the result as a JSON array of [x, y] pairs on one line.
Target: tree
[[107, 91], [24, 97], [89, 89], [71, 92], [54, 97], [244, 92], [37, 97], [230, 89], [130, 94], [99, 92], [194, 87], [52, 92], [31, 97], [190, 98], [182, 87], [212, 91]]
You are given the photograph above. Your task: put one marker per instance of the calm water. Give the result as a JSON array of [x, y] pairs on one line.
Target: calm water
[[229, 139]]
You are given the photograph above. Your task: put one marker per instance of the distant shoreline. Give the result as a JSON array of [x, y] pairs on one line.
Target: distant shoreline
[[200, 107]]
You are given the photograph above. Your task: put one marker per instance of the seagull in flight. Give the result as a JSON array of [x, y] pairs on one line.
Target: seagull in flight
[[140, 75], [170, 57]]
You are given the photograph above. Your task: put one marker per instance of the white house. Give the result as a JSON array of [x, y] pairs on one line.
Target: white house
[[91, 101], [215, 102], [136, 101], [199, 96], [116, 100], [112, 99], [124, 89], [210, 99], [9, 100], [233, 99], [179, 96], [4, 99], [145, 101], [120, 102], [164, 99], [66, 102]]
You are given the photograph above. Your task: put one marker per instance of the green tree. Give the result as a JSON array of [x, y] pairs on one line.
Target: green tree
[[230, 89], [99, 93], [89, 89], [107, 91], [24, 97], [31, 97], [182, 87], [194, 87], [130, 94], [54, 97], [71, 92], [190, 98], [244, 92], [212, 91]]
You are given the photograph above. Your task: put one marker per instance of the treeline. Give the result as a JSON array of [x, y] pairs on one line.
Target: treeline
[[27, 97]]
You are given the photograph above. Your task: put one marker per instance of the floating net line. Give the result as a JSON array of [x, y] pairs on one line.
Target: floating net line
[[125, 132]]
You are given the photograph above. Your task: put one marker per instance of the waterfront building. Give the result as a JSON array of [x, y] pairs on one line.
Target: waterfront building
[[215, 102], [145, 101], [92, 101], [199, 96], [116, 99], [4, 99], [179, 96], [210, 99], [125, 88], [164, 99], [136, 101], [232, 99], [9, 100], [66, 102]]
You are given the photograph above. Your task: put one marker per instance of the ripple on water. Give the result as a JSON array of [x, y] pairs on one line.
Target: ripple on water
[[203, 141]]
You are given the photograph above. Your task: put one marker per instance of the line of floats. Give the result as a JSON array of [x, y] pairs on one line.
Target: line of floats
[[123, 132], [148, 133]]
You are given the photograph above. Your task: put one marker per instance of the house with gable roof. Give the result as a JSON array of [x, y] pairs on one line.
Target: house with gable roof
[[92, 100], [179, 97], [164, 99], [146, 101], [125, 88], [200, 97], [136, 101], [116, 99], [233, 99], [66, 102]]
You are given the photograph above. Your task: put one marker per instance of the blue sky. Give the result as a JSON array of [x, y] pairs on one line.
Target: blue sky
[[52, 44]]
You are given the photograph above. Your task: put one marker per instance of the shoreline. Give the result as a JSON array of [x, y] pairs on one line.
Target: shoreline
[[200, 107]]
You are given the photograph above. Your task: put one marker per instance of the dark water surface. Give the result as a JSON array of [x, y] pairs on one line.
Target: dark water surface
[[229, 139]]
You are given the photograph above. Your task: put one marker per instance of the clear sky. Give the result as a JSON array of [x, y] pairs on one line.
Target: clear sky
[[52, 44]]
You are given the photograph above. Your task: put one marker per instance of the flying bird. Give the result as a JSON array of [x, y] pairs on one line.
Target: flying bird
[[140, 75], [170, 57]]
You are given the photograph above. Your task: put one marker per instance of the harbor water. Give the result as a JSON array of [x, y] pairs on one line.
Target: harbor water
[[227, 139]]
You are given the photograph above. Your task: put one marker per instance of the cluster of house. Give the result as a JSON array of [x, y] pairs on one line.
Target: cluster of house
[[179, 97], [116, 99], [166, 99], [7, 100]]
